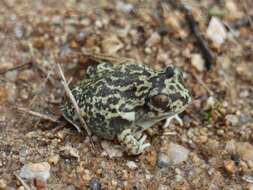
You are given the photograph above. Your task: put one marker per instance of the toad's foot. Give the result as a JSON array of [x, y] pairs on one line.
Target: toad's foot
[[131, 143], [169, 119]]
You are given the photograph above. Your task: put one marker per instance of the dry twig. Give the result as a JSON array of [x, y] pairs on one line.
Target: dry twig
[[36, 95], [210, 92], [42, 116], [20, 66], [203, 46], [22, 182], [77, 109]]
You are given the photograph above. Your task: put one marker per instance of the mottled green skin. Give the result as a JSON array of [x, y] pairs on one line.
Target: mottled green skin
[[116, 97]]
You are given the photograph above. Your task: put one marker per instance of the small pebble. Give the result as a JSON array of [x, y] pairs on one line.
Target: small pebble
[[155, 38], [19, 31], [198, 62], [176, 153], [39, 184], [53, 159], [131, 165], [163, 160], [11, 75], [162, 187], [229, 166], [69, 152], [95, 184], [21, 188], [3, 184], [124, 7], [24, 94], [111, 150], [232, 119], [245, 150], [35, 170], [216, 31], [26, 75], [4, 65], [111, 44]]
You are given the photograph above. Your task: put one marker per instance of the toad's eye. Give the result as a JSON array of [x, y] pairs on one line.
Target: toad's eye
[[160, 101]]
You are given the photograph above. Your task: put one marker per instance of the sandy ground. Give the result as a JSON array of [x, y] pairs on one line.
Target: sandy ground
[[212, 150]]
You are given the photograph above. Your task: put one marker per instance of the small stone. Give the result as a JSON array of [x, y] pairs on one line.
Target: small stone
[[95, 184], [172, 21], [163, 160], [175, 154], [112, 150], [248, 178], [111, 44], [12, 91], [233, 9], [131, 165], [216, 31], [57, 19], [35, 170], [124, 7], [53, 159], [81, 37], [21, 188], [245, 70], [24, 94], [210, 103], [26, 75], [162, 56], [229, 166], [5, 65], [69, 151], [244, 118], [162, 187], [3, 184], [40, 184], [198, 62], [155, 38], [230, 146], [11, 75], [245, 150], [148, 50], [19, 31], [3, 93], [232, 119]]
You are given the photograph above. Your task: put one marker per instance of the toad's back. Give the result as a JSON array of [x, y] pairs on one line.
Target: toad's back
[[108, 96]]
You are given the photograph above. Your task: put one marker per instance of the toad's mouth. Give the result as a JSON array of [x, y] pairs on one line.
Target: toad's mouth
[[148, 120]]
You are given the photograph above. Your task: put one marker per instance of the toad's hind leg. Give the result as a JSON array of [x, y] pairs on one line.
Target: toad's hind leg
[[131, 143]]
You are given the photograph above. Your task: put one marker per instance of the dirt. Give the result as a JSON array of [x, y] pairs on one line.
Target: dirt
[[215, 138]]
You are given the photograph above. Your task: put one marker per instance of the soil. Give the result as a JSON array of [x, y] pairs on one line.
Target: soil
[[215, 142]]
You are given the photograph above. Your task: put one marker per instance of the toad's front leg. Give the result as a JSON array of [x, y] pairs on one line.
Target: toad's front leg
[[169, 119], [131, 143]]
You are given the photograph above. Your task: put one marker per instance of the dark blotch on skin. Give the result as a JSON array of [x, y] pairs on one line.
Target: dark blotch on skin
[[177, 96], [169, 72]]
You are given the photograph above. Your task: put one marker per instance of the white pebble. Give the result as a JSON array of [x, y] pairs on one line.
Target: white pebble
[[216, 31], [35, 170]]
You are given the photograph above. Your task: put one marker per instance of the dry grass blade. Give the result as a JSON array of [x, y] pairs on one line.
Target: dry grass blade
[[99, 56], [22, 182], [210, 92], [42, 116], [245, 8], [77, 109]]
